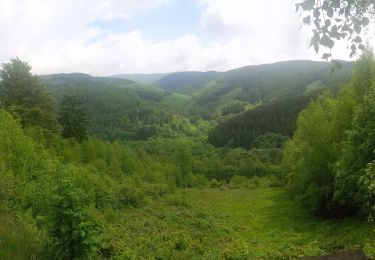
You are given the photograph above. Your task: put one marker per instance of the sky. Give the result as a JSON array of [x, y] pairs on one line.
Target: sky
[[107, 37]]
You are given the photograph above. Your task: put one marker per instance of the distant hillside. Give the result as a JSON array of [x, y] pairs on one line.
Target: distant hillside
[[143, 78], [85, 79], [187, 82], [277, 117], [117, 108], [270, 81], [282, 90]]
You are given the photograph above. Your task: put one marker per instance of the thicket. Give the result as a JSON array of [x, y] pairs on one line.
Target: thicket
[[329, 161]]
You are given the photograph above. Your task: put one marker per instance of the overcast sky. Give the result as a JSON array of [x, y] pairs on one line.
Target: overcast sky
[[105, 37]]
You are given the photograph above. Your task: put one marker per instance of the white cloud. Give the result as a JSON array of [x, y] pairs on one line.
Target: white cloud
[[56, 37], [269, 29]]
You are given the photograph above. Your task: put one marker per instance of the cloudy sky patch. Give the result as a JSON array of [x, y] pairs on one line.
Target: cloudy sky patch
[[105, 37]]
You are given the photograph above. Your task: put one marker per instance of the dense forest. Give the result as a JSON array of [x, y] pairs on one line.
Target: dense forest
[[109, 168]]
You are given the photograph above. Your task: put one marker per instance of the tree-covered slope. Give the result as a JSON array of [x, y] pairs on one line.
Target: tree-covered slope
[[187, 82], [283, 90], [118, 108], [275, 117], [140, 77], [266, 82], [84, 79], [123, 109]]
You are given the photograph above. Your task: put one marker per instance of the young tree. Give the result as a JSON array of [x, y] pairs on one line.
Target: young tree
[[71, 228], [183, 160], [369, 182], [24, 95], [73, 118]]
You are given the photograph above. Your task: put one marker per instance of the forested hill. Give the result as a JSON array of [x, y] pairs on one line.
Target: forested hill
[[277, 117], [118, 108], [266, 82], [283, 90], [187, 82], [123, 109], [141, 77], [83, 79]]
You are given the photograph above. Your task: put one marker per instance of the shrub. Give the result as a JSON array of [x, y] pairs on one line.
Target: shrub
[[158, 189], [215, 184], [71, 228], [239, 182], [131, 197]]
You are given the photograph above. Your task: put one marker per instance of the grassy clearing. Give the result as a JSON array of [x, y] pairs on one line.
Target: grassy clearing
[[236, 224]]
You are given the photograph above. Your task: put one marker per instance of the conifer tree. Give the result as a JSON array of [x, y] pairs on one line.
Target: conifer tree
[[73, 118], [22, 94]]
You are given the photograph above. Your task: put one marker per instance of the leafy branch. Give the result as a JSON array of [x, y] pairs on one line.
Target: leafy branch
[[334, 20]]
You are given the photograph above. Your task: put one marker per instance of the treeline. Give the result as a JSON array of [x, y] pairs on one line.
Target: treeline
[[329, 163], [275, 117], [119, 109], [219, 164]]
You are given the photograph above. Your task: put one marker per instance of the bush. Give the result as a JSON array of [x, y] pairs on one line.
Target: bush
[[71, 228], [131, 197], [158, 189], [237, 182], [215, 184]]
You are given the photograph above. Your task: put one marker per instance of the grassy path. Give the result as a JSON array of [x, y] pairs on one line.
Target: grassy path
[[237, 224]]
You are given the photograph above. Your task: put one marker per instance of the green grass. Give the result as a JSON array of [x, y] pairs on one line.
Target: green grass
[[236, 224]]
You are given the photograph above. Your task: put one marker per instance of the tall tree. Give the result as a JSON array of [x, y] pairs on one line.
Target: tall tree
[[324, 167], [73, 118], [357, 154], [24, 96]]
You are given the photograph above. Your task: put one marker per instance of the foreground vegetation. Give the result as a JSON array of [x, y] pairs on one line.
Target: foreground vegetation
[[210, 224], [234, 224], [127, 193]]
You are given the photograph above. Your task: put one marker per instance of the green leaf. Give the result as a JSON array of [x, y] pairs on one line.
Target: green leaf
[[347, 11], [327, 41], [307, 20], [317, 23], [330, 12], [336, 3], [315, 41], [316, 13], [357, 28], [362, 47], [316, 47], [326, 56], [365, 21], [358, 39], [334, 34], [307, 5], [354, 50]]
